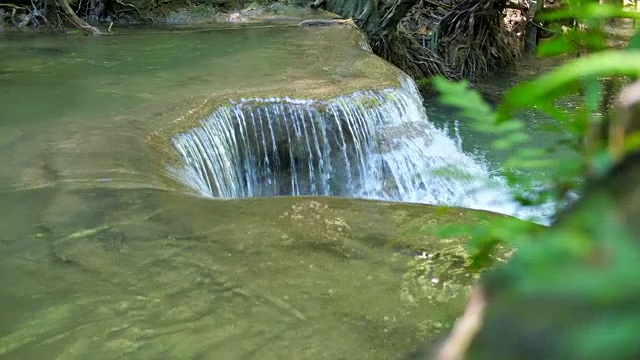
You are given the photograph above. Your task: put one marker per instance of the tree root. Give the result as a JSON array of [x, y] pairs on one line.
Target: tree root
[[140, 15], [473, 41], [75, 20], [318, 4], [12, 6], [325, 22], [403, 50]]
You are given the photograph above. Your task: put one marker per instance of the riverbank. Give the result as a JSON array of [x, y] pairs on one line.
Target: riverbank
[[105, 18], [449, 53]]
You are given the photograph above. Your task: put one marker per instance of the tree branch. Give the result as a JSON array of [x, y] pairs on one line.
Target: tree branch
[[16, 7], [79, 23], [465, 329]]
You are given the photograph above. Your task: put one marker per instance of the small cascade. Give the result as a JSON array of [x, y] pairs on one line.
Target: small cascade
[[370, 144]]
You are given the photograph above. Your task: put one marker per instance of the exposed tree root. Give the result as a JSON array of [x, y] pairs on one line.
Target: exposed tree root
[[12, 6], [473, 40], [402, 49], [75, 20], [424, 18]]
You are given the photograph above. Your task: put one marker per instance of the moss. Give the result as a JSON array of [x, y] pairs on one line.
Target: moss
[[367, 101]]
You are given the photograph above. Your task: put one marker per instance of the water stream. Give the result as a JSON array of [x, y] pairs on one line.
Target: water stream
[[369, 144]]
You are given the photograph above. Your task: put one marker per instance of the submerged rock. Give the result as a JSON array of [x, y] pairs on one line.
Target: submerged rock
[[140, 271]]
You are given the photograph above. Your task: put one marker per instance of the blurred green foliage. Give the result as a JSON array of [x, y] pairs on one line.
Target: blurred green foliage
[[571, 291], [563, 172]]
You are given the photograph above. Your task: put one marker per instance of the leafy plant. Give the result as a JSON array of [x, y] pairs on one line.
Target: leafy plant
[[570, 291], [562, 173]]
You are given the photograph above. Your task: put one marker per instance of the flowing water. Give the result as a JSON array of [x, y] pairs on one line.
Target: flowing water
[[104, 255], [369, 144]]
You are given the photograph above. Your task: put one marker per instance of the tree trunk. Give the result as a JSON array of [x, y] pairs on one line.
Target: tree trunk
[[531, 30], [627, 121], [377, 18], [79, 23]]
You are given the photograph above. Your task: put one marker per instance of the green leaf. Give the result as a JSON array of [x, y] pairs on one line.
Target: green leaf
[[619, 330], [511, 125], [469, 102], [510, 140], [634, 42], [592, 92], [555, 15], [632, 142], [499, 128], [601, 163], [448, 231], [608, 62], [606, 11], [553, 111], [556, 46], [590, 11], [543, 163]]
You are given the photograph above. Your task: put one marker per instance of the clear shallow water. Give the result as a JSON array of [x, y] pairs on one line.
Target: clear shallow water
[[104, 256], [106, 102], [106, 274]]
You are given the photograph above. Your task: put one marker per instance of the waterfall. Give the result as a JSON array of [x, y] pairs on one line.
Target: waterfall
[[374, 144]]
